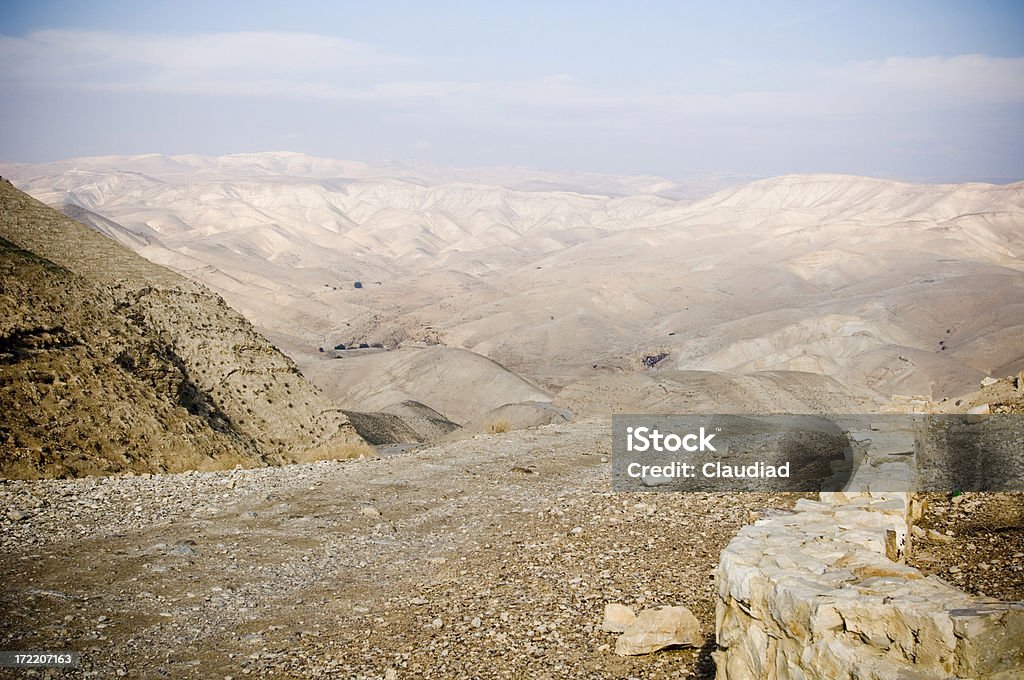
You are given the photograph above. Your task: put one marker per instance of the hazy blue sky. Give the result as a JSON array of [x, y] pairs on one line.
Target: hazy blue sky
[[908, 89]]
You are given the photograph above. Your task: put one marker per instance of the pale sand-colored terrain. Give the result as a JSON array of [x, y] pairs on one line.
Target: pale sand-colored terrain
[[495, 555], [455, 382], [883, 286]]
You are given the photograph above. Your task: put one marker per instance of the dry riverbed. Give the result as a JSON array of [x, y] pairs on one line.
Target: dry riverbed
[[491, 557]]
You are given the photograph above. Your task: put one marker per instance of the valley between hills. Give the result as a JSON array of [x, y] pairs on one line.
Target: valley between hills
[[273, 415], [846, 288]]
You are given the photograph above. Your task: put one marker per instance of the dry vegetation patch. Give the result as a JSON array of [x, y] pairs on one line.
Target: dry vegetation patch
[[499, 426]]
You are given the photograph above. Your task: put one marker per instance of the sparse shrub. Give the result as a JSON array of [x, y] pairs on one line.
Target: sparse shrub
[[499, 425], [358, 449], [651, 360]]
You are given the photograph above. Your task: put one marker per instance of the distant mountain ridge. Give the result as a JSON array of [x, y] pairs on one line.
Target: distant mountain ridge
[[110, 364], [895, 286]]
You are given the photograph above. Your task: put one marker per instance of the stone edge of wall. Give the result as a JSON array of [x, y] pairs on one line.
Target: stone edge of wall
[[822, 591]]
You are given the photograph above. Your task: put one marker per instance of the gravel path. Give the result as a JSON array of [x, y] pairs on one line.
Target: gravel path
[[491, 557]]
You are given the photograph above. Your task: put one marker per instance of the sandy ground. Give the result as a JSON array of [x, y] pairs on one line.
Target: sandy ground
[[491, 557]]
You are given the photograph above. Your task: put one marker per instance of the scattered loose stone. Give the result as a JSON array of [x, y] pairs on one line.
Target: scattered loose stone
[[508, 586], [182, 548]]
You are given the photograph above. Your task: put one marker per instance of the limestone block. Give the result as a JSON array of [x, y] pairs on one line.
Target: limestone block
[[617, 618], [737, 579], [891, 444], [747, 659], [990, 639], [978, 413], [731, 623], [659, 628], [825, 619], [837, 658], [792, 604]]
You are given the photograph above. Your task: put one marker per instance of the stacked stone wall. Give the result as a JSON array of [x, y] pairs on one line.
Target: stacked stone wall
[[822, 592]]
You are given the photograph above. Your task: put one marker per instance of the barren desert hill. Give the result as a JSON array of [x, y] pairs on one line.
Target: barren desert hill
[[277, 164], [890, 286], [897, 299], [455, 382], [111, 363]]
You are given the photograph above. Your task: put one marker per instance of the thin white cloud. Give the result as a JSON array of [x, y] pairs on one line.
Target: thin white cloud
[[254, 63], [975, 78], [307, 66]]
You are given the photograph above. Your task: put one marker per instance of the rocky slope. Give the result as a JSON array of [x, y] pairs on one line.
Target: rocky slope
[[111, 363], [488, 558]]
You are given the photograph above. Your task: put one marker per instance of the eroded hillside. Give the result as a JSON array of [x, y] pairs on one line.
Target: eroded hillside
[[896, 287], [109, 363]]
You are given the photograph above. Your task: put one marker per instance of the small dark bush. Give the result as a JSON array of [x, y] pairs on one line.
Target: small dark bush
[[652, 359]]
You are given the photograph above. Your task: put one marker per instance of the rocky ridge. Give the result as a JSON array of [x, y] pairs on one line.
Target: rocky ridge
[[111, 363]]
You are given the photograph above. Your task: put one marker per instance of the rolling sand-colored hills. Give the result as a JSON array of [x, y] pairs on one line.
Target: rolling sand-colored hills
[[109, 363], [883, 286], [455, 382]]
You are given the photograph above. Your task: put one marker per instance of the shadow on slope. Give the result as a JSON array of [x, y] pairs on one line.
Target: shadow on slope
[[114, 364]]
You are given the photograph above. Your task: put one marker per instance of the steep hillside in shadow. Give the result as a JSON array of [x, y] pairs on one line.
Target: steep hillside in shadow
[[109, 363]]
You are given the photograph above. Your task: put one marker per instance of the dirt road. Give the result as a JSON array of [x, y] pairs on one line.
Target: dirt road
[[491, 557]]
